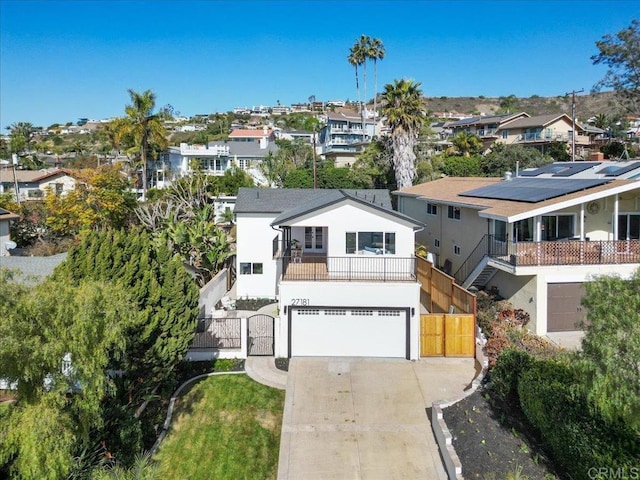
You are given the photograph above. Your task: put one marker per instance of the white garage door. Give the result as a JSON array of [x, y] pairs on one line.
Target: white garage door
[[348, 332]]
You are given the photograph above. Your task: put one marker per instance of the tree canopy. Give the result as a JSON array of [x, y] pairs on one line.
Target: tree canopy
[[611, 346], [57, 342], [165, 296], [621, 54]]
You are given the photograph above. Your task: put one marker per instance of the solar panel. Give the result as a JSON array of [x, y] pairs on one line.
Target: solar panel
[[575, 167], [560, 169], [533, 190], [616, 171]]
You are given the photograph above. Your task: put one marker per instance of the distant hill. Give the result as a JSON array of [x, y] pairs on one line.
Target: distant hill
[[587, 105]]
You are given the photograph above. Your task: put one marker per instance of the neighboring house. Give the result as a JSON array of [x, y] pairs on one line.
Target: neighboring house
[[349, 288], [33, 184], [215, 158], [343, 137], [542, 130], [292, 135], [536, 238], [261, 135], [5, 237], [485, 126], [522, 129], [223, 204]]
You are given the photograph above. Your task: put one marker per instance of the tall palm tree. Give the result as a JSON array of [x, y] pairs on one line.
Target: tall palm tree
[[145, 128], [403, 108], [375, 52], [355, 59], [363, 46]]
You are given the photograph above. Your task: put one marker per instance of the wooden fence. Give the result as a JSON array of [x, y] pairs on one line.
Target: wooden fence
[[449, 329], [443, 294], [447, 335]]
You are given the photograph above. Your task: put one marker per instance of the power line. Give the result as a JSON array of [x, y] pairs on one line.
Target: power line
[[573, 120]]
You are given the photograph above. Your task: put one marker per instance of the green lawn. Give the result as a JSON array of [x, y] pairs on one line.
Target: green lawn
[[224, 427]]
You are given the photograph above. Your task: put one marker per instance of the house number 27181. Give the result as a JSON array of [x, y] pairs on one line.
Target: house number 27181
[[302, 302]]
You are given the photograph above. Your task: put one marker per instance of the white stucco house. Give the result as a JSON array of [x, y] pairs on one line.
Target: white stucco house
[[536, 237], [33, 184], [341, 265], [5, 222]]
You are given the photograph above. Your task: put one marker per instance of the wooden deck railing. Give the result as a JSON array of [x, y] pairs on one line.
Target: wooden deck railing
[[570, 252]]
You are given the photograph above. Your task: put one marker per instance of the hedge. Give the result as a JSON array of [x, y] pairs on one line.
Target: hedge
[[579, 438]]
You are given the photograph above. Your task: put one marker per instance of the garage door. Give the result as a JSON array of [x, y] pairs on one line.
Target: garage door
[[348, 332], [564, 312]]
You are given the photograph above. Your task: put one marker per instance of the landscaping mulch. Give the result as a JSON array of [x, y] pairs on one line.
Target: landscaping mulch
[[282, 364], [494, 441]]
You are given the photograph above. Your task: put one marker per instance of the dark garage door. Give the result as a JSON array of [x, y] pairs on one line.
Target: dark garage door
[[564, 312]]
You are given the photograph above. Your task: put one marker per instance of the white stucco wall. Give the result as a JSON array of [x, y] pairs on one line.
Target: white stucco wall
[[68, 183], [353, 217], [4, 237], [348, 294], [254, 245]]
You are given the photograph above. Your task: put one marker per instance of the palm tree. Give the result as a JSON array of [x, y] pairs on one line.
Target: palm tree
[[363, 45], [403, 108], [145, 127], [375, 52], [355, 59], [467, 143]]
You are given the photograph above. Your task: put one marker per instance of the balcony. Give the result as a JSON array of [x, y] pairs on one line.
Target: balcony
[[542, 137], [356, 268], [567, 252]]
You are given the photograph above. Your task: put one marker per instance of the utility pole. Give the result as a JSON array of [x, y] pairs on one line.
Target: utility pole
[[315, 177], [14, 158], [573, 120]]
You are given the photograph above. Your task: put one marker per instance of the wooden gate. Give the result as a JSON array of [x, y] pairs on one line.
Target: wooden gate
[[447, 335], [260, 335]]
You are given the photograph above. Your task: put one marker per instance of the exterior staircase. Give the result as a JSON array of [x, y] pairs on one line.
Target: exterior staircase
[[481, 274]]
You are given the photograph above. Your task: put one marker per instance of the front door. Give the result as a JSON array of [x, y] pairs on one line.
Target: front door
[[313, 239]]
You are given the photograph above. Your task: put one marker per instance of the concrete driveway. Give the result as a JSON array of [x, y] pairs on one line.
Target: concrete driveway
[[365, 418]]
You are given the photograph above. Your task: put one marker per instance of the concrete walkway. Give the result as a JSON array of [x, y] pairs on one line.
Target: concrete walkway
[[354, 418], [263, 370]]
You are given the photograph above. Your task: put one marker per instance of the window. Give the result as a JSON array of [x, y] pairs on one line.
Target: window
[[432, 209], [351, 242], [523, 230], [500, 230], [376, 243], [453, 212], [557, 226], [505, 134], [247, 268], [436, 243], [628, 226], [390, 243], [456, 250]]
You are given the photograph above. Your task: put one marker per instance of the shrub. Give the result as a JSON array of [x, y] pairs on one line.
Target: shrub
[[504, 376], [578, 437]]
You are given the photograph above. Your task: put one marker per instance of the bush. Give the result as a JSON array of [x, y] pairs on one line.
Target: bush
[[504, 376], [577, 436]]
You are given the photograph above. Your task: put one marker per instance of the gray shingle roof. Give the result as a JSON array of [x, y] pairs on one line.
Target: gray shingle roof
[[247, 149], [290, 203], [278, 200]]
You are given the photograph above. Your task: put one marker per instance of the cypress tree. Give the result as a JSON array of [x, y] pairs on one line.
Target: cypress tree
[[166, 296]]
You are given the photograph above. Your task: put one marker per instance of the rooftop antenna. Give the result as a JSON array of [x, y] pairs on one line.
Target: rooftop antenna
[[573, 122]]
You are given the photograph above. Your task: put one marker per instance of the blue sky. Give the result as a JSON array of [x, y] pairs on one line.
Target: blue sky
[[62, 60]]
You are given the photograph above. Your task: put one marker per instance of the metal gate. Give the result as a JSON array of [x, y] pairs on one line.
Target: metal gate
[[260, 335]]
